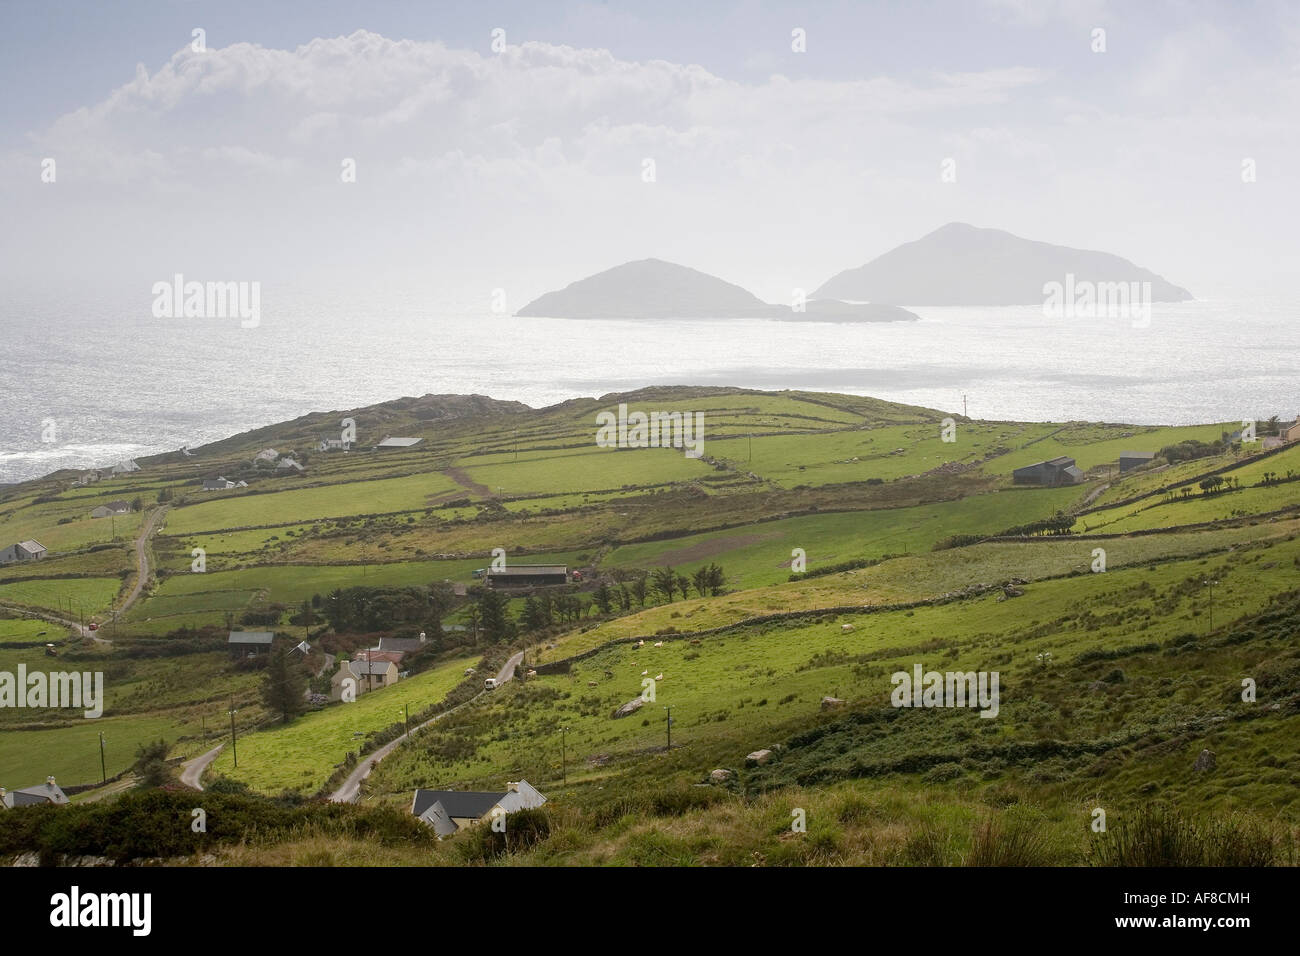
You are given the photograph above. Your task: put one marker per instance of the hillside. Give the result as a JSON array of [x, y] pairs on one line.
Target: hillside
[[654, 289], [820, 544], [963, 265]]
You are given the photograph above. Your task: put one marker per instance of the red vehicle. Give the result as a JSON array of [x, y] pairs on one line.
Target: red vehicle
[[577, 575], [94, 626]]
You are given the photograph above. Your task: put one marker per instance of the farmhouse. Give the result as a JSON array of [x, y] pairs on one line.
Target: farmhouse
[[1050, 473], [450, 810], [1290, 432], [22, 551], [249, 643], [528, 576], [125, 467], [288, 464], [403, 645], [47, 792], [1128, 460], [112, 508], [222, 484], [367, 675], [399, 442]]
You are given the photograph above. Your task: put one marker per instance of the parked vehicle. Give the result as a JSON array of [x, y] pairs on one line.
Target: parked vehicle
[[490, 684]]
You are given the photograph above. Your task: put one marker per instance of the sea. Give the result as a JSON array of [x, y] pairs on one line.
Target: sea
[[88, 378]]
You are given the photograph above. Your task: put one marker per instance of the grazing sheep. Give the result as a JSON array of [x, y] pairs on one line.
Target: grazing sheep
[[609, 673], [845, 628], [644, 672], [659, 643], [660, 677]]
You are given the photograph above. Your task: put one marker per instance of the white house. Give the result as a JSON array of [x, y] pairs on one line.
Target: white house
[[23, 551], [450, 810], [125, 467], [47, 792]]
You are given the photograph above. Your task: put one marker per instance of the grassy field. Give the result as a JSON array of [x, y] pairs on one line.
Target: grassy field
[[300, 756], [1111, 682]]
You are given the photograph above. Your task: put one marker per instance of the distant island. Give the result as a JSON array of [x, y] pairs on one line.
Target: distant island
[[963, 265], [654, 289]]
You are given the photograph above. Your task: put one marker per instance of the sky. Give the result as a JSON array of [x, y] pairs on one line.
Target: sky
[[510, 145]]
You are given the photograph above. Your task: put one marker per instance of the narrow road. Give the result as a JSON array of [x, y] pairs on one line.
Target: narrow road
[[192, 769], [142, 558], [351, 787], [142, 575]]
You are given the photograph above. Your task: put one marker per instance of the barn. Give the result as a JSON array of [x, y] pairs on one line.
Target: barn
[[1049, 474]]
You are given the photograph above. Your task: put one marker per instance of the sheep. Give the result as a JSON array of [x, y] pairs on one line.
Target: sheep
[[659, 643], [660, 677], [644, 672]]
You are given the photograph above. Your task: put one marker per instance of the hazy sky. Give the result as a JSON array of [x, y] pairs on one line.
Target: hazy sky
[[523, 169]]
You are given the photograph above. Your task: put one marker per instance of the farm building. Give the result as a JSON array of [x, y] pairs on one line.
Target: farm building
[[222, 484], [1050, 473], [266, 454], [249, 643], [528, 576], [334, 444], [23, 551], [125, 467], [1128, 460], [450, 810], [399, 442], [47, 792], [1290, 432], [288, 464], [112, 508]]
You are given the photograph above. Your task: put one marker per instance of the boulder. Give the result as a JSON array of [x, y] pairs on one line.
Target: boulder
[[720, 776], [1206, 760], [830, 703], [758, 758], [631, 707]]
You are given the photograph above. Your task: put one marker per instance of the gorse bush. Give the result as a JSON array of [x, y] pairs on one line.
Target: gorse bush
[[1159, 835]]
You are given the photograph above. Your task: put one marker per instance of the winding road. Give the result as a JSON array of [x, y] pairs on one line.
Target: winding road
[[351, 787], [192, 769]]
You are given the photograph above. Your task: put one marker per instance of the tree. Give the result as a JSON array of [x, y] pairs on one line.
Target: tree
[[684, 585], [701, 580], [475, 621], [604, 598], [717, 580], [639, 589], [493, 607], [137, 504], [624, 598], [150, 765], [664, 581], [284, 689]]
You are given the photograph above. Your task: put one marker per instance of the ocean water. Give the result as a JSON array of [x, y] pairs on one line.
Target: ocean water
[[113, 381]]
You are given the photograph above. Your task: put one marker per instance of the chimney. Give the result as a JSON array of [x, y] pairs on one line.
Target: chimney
[[422, 637], [49, 781], [512, 786]]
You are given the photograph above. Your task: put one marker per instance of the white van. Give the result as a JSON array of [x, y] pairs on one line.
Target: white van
[[490, 684]]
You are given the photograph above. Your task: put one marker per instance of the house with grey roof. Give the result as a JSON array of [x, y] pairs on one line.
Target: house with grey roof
[[112, 508], [450, 810], [288, 464], [249, 643], [23, 551], [47, 792], [406, 645], [366, 675]]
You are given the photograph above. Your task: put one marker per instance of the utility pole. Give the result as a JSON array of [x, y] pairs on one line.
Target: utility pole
[[670, 727], [103, 770], [564, 753], [751, 446], [963, 406], [1210, 585], [233, 749]]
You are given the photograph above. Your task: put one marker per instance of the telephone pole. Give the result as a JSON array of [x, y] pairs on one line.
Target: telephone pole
[[233, 749], [670, 727], [564, 753], [103, 770]]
